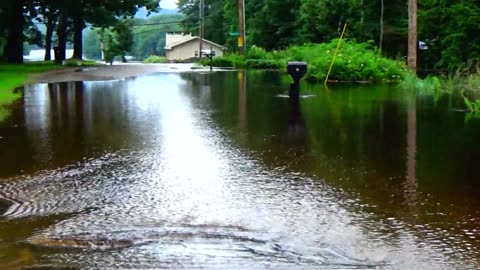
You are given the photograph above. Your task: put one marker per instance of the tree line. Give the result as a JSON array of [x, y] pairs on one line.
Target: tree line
[[65, 19], [139, 38], [447, 28]]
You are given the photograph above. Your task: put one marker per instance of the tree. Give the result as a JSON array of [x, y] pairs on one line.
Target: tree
[[149, 35], [48, 9], [450, 30], [276, 24], [124, 38], [14, 16], [214, 20], [92, 44]]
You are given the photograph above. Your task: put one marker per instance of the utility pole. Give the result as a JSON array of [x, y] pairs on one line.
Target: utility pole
[[241, 26], [202, 27], [412, 35]]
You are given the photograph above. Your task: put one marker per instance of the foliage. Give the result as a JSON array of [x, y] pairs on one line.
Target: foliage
[[92, 45], [355, 61], [149, 35], [450, 30], [154, 59], [264, 64], [74, 16], [214, 18], [231, 60]]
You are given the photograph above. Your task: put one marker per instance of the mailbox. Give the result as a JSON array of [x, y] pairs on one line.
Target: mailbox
[[297, 70]]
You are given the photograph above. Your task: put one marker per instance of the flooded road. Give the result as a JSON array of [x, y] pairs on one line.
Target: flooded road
[[221, 171]]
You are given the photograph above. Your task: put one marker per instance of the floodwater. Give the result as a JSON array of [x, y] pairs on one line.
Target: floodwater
[[221, 171]]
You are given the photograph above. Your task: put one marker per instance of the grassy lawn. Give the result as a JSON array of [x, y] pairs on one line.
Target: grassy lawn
[[13, 76], [16, 75]]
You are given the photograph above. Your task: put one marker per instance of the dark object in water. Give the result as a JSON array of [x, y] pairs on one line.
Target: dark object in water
[[296, 70]]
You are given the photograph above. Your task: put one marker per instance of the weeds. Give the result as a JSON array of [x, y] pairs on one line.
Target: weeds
[[154, 59], [355, 61]]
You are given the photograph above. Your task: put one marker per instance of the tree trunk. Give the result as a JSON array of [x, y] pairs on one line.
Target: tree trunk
[[78, 25], [51, 21], [14, 47], [62, 37]]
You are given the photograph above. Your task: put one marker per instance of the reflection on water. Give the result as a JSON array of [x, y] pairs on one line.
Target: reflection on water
[[220, 171]]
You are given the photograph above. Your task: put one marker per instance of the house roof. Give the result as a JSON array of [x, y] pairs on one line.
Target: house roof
[[190, 40]]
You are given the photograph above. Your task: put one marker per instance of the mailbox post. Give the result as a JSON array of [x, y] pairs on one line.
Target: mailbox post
[[296, 70], [210, 54]]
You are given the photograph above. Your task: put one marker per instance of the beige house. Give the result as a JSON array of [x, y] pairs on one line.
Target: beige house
[[181, 47]]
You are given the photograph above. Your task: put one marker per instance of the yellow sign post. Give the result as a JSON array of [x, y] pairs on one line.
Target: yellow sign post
[[240, 41]]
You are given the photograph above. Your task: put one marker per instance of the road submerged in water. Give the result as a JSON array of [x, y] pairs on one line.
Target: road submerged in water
[[140, 174]]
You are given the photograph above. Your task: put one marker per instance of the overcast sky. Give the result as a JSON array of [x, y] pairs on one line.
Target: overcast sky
[[168, 4]]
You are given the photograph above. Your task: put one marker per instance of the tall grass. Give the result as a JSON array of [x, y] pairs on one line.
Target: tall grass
[[355, 61]]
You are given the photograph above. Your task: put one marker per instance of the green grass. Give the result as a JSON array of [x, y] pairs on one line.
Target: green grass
[[16, 75], [154, 59]]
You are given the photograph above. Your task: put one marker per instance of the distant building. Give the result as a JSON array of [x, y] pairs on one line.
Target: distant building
[[181, 47]]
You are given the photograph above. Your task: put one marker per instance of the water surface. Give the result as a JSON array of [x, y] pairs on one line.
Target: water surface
[[220, 170]]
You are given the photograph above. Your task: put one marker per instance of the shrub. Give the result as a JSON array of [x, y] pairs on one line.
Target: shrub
[[154, 59], [263, 64], [232, 61], [354, 61]]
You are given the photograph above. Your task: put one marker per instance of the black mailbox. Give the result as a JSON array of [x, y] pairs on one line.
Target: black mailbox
[[297, 70]]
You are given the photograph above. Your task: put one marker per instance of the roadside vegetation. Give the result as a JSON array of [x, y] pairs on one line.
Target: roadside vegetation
[[13, 76], [461, 85], [354, 62], [153, 59]]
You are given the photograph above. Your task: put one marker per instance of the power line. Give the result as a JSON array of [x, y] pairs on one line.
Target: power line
[[147, 31], [159, 23]]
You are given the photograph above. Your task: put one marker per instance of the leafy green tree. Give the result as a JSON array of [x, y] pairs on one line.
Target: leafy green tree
[[277, 24], [215, 27], [149, 35], [450, 29], [124, 37], [92, 45], [110, 49]]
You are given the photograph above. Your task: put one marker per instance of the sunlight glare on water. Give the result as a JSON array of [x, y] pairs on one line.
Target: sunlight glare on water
[[140, 173]]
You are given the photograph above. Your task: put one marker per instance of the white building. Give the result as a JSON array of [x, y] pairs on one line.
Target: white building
[[180, 47]]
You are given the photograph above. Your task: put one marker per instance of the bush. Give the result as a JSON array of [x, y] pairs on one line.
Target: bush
[[354, 61], [232, 61], [154, 59], [257, 53], [263, 64]]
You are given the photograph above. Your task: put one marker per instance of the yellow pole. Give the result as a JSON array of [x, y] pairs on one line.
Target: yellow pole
[[335, 54]]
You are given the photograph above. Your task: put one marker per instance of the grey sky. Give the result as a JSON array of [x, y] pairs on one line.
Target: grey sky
[[168, 4]]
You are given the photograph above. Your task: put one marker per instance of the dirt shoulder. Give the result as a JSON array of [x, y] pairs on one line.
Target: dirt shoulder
[[105, 73]]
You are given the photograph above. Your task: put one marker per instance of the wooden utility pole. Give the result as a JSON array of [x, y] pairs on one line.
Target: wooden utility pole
[[241, 26], [382, 10], [412, 35], [202, 27]]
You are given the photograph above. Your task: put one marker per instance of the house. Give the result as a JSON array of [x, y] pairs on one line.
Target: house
[[182, 47]]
